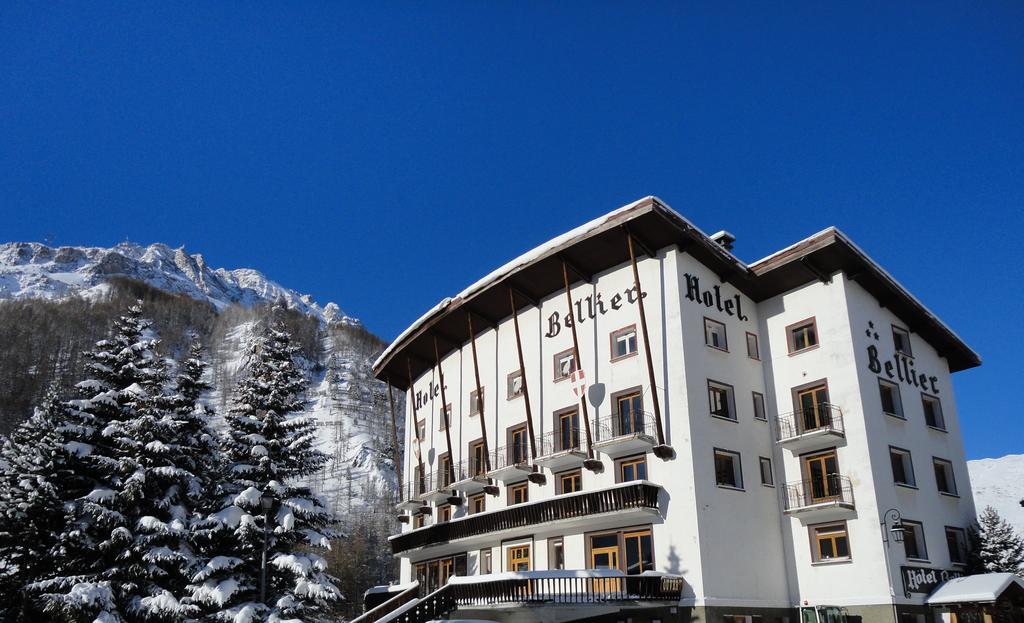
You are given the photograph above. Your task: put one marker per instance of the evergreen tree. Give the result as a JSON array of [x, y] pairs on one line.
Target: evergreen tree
[[33, 476], [995, 547], [268, 446]]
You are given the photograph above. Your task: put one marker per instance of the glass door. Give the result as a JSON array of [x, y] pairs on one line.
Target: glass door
[[823, 477], [814, 412], [604, 554], [517, 446], [519, 558], [631, 415], [569, 430]]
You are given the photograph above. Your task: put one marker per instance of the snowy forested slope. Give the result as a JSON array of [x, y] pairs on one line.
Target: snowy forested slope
[[999, 483], [55, 302]]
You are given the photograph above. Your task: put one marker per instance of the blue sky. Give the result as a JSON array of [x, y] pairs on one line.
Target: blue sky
[[384, 155]]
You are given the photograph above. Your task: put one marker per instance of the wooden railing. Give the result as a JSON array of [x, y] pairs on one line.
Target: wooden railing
[[547, 589], [633, 495]]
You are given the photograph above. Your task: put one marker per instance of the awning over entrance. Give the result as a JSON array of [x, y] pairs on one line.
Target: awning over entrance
[[982, 588]]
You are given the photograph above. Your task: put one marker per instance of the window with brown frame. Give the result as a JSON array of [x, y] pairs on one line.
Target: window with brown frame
[[631, 468], [569, 482], [474, 404], [568, 429], [514, 384], [485, 561], [933, 412], [901, 341], [715, 334], [629, 409], [556, 554], [752, 350], [759, 412], [623, 342], [419, 521], [722, 403], [630, 550], [829, 542], [728, 469], [477, 503], [518, 450], [519, 558], [444, 470], [442, 421], [518, 493], [956, 543], [421, 429], [444, 513], [565, 364], [944, 478], [802, 335], [477, 459]]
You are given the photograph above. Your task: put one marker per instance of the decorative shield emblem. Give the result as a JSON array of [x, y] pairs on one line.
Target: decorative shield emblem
[[578, 381]]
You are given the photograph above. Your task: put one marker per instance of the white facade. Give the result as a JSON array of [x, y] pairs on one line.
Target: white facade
[[742, 548]]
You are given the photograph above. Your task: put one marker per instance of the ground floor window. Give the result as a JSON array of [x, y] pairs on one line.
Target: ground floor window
[[630, 550], [485, 561], [519, 558], [433, 574], [556, 554]]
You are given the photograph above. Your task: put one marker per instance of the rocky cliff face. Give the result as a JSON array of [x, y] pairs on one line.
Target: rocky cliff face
[[56, 302]]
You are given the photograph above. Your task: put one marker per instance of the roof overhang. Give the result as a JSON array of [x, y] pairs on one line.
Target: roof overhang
[[601, 245], [981, 588]]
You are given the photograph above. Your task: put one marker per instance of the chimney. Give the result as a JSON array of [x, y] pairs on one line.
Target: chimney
[[724, 238]]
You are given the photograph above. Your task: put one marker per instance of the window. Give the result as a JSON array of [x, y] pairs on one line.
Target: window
[[477, 503], [485, 561], [421, 430], [728, 471], [419, 521], [721, 398], [475, 404], [556, 553], [813, 409], [444, 471], [639, 551], [956, 541], [518, 493], [444, 417], [802, 335], [515, 384], [569, 482], [568, 423], [565, 364], [944, 478], [630, 469], [902, 467], [901, 340], [913, 540], [477, 459], [933, 412], [630, 550], [830, 542], [444, 513], [630, 420], [890, 395], [714, 334], [519, 558], [752, 350], [518, 450], [767, 476], [759, 413], [624, 342]]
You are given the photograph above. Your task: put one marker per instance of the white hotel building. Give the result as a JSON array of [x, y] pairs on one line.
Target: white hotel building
[[756, 430]]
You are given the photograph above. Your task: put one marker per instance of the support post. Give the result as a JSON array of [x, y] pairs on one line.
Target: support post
[[490, 488], [403, 518], [452, 499], [536, 476], [662, 450], [416, 428], [592, 464]]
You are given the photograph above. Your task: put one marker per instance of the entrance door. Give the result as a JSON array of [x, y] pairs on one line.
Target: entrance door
[[604, 554], [814, 411], [519, 558], [822, 477]]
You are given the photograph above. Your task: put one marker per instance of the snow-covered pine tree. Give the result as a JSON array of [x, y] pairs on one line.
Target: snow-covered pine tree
[[267, 448], [34, 477], [995, 547], [121, 438]]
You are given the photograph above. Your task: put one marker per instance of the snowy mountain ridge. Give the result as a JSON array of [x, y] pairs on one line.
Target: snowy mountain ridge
[[999, 483], [35, 270]]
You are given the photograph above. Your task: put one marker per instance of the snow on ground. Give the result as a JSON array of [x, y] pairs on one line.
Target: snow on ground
[[999, 483]]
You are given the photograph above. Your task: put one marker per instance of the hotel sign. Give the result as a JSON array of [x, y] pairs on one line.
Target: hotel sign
[[924, 580], [713, 299]]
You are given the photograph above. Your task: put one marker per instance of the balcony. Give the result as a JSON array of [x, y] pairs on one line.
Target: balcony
[[411, 495], [471, 477], [823, 499], [511, 463], [807, 429], [639, 495], [618, 435], [560, 450]]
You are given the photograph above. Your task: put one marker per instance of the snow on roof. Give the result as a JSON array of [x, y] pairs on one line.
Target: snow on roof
[[985, 587], [527, 575]]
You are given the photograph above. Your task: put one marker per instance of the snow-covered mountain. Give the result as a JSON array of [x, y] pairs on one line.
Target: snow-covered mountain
[[999, 483], [34, 270], [63, 284]]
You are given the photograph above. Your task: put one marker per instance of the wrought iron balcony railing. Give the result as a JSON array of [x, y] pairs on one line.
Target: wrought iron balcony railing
[[557, 441], [831, 490], [824, 417], [636, 424]]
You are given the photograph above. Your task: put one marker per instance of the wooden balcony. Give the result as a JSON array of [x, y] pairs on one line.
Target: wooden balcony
[[640, 495], [807, 429]]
